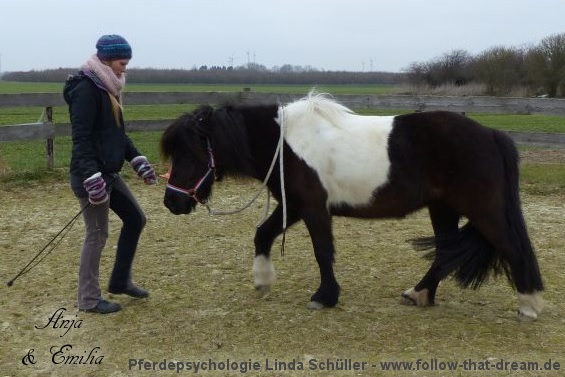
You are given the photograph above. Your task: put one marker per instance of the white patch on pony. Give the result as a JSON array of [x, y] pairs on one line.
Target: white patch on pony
[[348, 151], [263, 272], [530, 306]]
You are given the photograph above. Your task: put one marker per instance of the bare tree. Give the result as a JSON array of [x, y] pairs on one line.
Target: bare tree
[[450, 68], [500, 69], [546, 64]]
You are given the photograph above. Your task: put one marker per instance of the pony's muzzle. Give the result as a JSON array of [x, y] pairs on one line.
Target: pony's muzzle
[[178, 204]]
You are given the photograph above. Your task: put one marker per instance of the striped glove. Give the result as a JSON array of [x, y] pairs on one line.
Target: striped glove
[[144, 169], [95, 186]]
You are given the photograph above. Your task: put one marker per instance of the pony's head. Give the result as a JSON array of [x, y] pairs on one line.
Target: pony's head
[[185, 144]]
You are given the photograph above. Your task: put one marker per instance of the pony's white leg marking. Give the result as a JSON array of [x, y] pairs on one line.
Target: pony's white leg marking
[[263, 273], [530, 306], [414, 297], [314, 305]]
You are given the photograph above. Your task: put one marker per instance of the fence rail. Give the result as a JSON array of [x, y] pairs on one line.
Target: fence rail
[[470, 104], [478, 104]]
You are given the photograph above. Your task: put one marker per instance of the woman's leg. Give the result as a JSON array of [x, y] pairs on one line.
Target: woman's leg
[[123, 203], [96, 224]]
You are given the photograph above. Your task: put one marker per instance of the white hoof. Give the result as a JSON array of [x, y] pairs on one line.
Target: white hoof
[[527, 314], [531, 306], [263, 273], [413, 297], [315, 305]]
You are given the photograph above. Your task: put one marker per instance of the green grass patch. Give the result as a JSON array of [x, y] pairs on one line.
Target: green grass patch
[[20, 115], [543, 179], [12, 87], [159, 112], [23, 161], [26, 160], [522, 123], [506, 122]]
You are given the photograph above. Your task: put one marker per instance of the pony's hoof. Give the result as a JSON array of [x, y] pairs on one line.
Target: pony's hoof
[[418, 298], [531, 305], [315, 305], [527, 314], [407, 300], [262, 290], [263, 273]]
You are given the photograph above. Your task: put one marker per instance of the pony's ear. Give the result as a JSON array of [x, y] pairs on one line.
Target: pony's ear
[[203, 115]]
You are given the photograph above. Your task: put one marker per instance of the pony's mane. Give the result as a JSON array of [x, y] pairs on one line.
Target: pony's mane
[[223, 128], [178, 135], [320, 104]]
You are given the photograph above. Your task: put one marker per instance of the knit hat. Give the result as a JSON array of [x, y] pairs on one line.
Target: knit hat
[[113, 47]]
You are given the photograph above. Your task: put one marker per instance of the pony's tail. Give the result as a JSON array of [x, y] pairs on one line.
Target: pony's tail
[[466, 253], [529, 276]]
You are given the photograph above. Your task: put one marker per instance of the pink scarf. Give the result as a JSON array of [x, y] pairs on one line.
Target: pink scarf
[[112, 83]]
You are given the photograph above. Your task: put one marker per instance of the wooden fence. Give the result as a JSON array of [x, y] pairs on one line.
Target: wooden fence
[[504, 105]]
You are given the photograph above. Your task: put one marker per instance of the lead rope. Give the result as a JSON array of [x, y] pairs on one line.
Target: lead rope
[[279, 153], [283, 193], [42, 116]]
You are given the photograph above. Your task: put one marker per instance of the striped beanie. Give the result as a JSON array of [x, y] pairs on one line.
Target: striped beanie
[[113, 47]]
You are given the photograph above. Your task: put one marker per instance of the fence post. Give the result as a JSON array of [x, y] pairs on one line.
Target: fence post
[[244, 95], [50, 135]]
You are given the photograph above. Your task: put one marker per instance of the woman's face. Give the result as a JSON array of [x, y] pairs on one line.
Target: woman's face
[[118, 66]]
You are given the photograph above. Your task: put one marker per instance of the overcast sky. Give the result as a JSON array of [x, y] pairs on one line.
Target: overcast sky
[[353, 35]]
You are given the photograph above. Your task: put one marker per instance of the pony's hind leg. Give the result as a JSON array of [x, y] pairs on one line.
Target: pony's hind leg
[[445, 223], [263, 269], [515, 251], [496, 239]]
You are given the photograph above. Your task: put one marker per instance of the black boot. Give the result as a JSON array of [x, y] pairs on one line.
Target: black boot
[[132, 291], [104, 307]]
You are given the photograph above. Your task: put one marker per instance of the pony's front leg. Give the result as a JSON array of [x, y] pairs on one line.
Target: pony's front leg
[[263, 269], [320, 229]]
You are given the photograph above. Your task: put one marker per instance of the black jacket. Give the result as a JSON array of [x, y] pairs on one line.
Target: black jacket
[[99, 144]]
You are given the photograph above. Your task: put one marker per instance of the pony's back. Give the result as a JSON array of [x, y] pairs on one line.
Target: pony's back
[[316, 105]]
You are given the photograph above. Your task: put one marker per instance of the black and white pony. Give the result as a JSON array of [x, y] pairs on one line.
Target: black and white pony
[[339, 163]]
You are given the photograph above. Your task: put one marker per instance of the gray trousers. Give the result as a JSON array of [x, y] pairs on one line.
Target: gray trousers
[[96, 219]]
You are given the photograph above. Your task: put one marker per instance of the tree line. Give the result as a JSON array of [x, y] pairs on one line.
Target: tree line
[[539, 68], [249, 74]]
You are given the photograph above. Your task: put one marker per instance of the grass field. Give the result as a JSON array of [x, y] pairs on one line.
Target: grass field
[[203, 306]]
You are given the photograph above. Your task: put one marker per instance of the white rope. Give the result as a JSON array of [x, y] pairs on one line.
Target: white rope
[[278, 152], [42, 117], [281, 169]]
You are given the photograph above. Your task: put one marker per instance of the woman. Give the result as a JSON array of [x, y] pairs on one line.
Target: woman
[[100, 147]]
